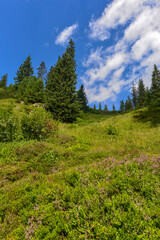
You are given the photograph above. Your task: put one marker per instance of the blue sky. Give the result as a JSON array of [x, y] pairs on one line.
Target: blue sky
[[117, 41]]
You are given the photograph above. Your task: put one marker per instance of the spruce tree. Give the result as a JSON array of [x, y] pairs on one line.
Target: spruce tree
[[134, 95], [141, 94], [148, 97], [122, 108], [42, 70], [3, 81], [94, 107], [113, 108], [128, 104], [82, 98], [100, 107], [61, 87], [25, 70], [105, 108], [155, 88]]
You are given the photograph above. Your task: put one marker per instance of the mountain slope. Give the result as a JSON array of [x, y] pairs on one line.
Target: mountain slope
[[95, 179]]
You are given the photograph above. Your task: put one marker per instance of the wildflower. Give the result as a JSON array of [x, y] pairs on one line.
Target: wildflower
[[155, 166]]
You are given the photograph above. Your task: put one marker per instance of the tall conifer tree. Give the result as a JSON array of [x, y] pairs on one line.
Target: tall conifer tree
[[82, 98], [113, 108], [3, 81], [155, 88], [25, 70], [141, 94], [61, 87], [134, 95], [148, 97], [128, 104], [42, 70], [122, 108], [105, 108]]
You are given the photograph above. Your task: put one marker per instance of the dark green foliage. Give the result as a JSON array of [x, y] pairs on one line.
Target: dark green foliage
[[8, 92], [141, 94], [148, 97], [100, 107], [42, 70], [113, 108], [134, 96], [25, 70], [31, 90], [111, 130], [155, 88], [105, 108], [128, 104], [3, 81], [122, 107], [94, 107], [61, 87], [152, 116], [82, 98], [2, 93]]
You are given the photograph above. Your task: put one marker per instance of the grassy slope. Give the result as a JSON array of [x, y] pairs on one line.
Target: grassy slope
[[99, 179]]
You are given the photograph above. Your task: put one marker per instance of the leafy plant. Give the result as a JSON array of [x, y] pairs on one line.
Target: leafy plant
[[38, 125], [9, 127], [111, 130]]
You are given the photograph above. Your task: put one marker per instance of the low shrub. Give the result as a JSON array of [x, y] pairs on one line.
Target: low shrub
[[111, 130], [38, 125], [9, 127]]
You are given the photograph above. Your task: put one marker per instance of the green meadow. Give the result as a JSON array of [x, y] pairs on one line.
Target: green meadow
[[97, 178]]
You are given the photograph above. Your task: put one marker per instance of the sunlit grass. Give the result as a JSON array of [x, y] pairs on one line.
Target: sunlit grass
[[96, 179]]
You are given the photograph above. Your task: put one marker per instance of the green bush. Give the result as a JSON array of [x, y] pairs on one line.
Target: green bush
[[8, 92], [9, 127], [2, 93], [38, 125], [111, 130], [31, 90]]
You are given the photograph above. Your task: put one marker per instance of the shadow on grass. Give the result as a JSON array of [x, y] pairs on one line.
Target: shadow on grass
[[148, 115]]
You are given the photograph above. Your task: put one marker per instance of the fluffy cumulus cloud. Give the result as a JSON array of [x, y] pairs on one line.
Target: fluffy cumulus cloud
[[110, 69], [66, 34]]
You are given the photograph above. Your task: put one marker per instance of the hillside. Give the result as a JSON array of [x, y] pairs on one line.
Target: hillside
[[97, 178]]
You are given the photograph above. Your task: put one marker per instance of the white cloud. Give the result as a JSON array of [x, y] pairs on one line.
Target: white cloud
[[145, 22], [148, 42], [116, 13], [137, 50], [94, 58], [66, 34], [103, 70]]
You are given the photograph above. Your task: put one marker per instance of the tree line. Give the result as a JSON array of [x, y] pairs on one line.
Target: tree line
[[144, 96], [57, 89], [141, 96]]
